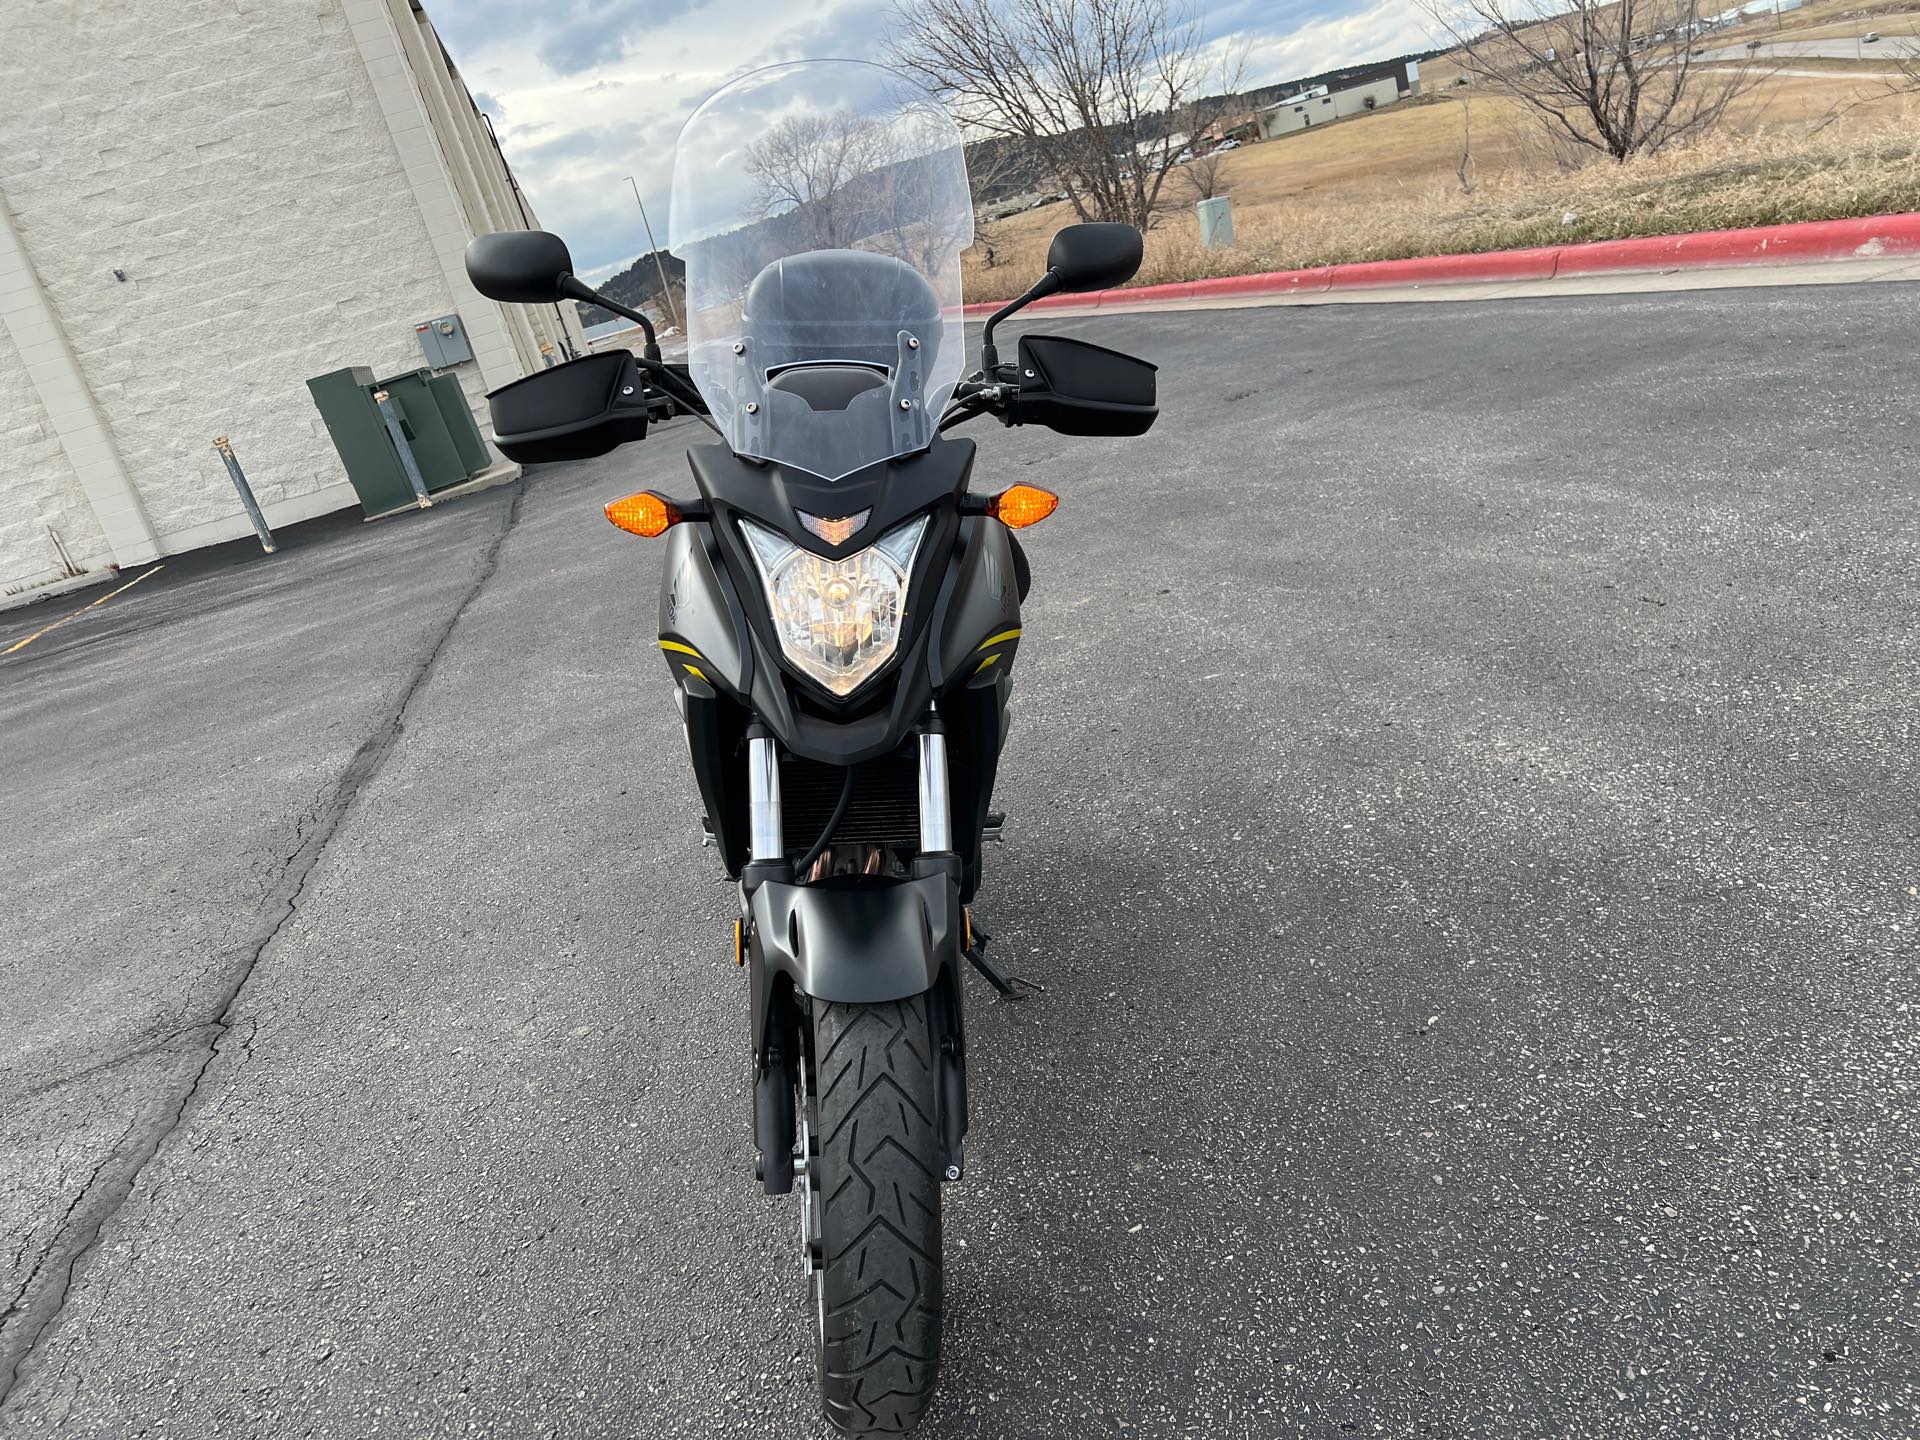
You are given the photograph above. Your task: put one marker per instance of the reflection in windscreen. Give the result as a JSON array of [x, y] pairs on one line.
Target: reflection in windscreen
[[821, 209]]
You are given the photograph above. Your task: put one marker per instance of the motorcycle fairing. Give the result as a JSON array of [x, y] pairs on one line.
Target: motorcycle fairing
[[703, 633], [977, 616], [963, 632]]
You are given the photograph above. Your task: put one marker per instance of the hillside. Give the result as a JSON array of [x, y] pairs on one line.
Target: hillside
[[637, 286]]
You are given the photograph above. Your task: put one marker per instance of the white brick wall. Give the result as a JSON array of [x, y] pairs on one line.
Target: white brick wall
[[29, 447], [233, 159]]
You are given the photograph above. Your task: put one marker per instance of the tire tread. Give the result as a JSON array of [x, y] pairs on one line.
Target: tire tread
[[879, 1179]]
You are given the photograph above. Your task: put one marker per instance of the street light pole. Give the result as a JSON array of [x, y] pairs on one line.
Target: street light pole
[[666, 291]]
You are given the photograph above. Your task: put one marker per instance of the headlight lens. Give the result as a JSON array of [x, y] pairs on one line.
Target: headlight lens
[[838, 620]]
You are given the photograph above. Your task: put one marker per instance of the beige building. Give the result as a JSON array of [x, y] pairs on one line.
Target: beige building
[[202, 204], [1305, 111]]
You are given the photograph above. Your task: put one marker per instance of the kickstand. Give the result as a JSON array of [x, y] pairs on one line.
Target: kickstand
[[1011, 987]]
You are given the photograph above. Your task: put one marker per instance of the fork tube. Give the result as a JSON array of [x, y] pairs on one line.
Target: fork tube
[[936, 824], [767, 840]]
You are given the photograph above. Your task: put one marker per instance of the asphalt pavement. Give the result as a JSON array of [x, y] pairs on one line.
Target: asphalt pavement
[[1462, 810]]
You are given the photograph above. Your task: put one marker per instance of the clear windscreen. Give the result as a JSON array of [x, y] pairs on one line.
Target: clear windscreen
[[820, 209]]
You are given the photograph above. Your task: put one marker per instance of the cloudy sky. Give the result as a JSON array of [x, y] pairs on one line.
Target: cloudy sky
[[587, 92]]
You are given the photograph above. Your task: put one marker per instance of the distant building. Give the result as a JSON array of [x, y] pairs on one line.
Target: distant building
[[1404, 72], [1172, 144], [1307, 110], [202, 204], [1331, 95], [606, 329], [1244, 126]]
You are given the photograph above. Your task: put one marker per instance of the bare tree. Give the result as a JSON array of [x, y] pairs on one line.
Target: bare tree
[[918, 216], [1469, 171], [1617, 77], [1092, 87], [882, 182], [808, 167], [1902, 79], [1200, 176], [992, 167], [1905, 76], [1908, 65]]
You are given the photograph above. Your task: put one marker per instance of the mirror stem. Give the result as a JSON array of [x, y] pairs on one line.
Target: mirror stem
[[668, 382], [576, 289], [672, 386], [1047, 284]]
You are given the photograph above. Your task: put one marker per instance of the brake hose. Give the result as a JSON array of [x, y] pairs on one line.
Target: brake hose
[[833, 823]]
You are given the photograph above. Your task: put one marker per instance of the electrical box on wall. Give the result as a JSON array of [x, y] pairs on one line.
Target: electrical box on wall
[[443, 340]]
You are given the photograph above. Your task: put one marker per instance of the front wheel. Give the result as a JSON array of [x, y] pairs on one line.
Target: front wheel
[[870, 1111]]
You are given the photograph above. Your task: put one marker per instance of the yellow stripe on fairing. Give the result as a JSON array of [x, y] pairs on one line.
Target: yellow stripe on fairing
[[698, 674], [985, 663], [1013, 634], [683, 649]]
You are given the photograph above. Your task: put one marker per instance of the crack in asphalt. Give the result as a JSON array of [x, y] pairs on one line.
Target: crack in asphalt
[[35, 1307], [138, 1050]]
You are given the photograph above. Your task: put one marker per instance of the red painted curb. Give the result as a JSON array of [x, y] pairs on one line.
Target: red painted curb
[[1279, 282], [1767, 244], [1450, 269], [1871, 235]]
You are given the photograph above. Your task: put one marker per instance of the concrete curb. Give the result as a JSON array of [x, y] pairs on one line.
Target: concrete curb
[[1865, 238]]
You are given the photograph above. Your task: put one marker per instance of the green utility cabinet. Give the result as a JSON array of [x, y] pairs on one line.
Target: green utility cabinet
[[434, 418]]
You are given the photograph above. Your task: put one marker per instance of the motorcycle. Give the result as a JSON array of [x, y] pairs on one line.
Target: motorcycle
[[840, 614]]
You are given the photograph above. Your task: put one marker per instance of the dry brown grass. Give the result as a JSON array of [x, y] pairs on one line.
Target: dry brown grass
[[1875, 67], [1383, 187], [1890, 19], [1817, 20]]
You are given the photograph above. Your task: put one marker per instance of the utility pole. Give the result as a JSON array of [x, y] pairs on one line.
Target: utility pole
[[666, 291]]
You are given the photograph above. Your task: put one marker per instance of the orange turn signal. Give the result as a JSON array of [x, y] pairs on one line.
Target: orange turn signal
[[643, 514], [1022, 505]]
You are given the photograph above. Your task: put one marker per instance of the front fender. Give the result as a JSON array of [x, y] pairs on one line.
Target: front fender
[[851, 940]]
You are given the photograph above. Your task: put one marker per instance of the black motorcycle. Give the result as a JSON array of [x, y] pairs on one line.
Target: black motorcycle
[[840, 612]]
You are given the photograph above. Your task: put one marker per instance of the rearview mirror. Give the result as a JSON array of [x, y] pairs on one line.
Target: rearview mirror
[[1094, 256], [527, 267]]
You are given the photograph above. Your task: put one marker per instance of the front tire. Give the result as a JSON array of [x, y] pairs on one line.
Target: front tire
[[874, 1092]]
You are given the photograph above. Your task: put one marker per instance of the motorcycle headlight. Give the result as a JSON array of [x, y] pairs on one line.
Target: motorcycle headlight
[[838, 620]]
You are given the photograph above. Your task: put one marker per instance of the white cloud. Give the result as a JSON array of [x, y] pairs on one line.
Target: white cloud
[[1378, 32], [573, 138]]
